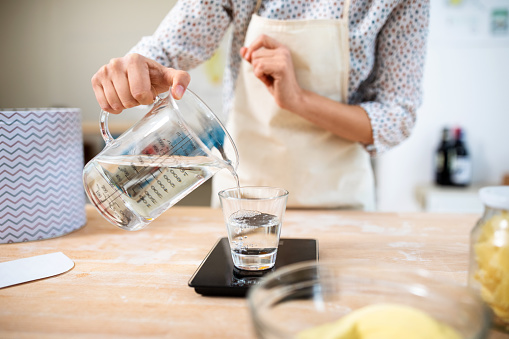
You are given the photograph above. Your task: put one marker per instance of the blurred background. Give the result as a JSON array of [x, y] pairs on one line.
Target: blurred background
[[51, 48]]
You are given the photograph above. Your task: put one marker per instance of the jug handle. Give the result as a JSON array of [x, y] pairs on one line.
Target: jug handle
[[103, 122]]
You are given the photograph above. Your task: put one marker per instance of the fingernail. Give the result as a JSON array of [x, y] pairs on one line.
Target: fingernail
[[179, 91]]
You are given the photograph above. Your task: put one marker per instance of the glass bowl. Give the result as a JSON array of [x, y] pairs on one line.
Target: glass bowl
[[306, 295]]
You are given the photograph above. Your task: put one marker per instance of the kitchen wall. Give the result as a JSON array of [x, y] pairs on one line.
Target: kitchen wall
[[51, 49]]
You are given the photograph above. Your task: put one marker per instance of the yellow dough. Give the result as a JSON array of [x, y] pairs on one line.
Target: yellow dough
[[383, 321]]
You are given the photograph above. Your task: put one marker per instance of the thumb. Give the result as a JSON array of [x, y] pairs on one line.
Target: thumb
[[178, 80]]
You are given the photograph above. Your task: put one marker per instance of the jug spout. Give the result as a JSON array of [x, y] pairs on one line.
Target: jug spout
[[207, 128]]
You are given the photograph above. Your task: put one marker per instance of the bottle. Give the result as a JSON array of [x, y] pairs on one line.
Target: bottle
[[442, 162], [460, 162], [489, 254]]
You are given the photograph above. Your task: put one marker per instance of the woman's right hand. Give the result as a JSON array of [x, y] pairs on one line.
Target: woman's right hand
[[135, 80]]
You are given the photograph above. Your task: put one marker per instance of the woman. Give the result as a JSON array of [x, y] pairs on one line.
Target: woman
[[312, 88]]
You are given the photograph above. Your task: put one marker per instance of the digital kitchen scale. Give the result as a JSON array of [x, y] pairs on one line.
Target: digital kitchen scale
[[218, 277]]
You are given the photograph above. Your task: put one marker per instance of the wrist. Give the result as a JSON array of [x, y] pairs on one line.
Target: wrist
[[298, 102]]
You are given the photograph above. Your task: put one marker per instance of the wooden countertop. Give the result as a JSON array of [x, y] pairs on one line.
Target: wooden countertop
[[135, 284]]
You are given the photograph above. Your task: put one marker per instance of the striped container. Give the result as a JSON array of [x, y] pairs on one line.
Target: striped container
[[41, 162]]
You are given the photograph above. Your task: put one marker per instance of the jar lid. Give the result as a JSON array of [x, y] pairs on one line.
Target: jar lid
[[495, 196]]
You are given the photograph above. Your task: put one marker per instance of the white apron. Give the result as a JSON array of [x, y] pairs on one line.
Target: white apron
[[279, 148]]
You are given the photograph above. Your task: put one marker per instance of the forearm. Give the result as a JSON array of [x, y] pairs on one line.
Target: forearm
[[349, 122]]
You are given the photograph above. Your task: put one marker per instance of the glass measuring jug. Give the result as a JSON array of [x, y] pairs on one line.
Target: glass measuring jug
[[174, 148]]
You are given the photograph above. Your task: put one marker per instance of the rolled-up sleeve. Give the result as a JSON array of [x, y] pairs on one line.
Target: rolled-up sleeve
[[395, 91], [188, 35]]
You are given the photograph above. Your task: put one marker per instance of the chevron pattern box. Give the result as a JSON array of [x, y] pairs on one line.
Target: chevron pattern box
[[41, 163]]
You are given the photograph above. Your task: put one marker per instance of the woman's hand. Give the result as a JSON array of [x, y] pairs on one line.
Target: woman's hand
[[135, 80], [272, 64]]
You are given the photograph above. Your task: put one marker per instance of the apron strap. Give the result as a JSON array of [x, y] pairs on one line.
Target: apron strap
[[258, 5], [346, 9]]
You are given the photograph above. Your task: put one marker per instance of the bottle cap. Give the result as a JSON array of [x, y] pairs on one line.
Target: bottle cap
[[458, 133], [495, 196]]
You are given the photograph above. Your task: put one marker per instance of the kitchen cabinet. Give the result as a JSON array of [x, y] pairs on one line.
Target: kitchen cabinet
[[449, 199]]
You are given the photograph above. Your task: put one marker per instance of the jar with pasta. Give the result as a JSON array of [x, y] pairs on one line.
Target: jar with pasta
[[489, 254]]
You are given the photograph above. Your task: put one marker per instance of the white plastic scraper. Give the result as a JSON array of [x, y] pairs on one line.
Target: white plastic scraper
[[27, 269]]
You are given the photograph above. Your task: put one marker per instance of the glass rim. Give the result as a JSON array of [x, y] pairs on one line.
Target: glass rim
[[281, 193]]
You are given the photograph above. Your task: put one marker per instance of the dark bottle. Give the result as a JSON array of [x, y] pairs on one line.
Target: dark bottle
[[442, 161], [461, 164]]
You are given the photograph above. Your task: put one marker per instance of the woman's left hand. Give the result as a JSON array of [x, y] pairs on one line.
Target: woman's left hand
[[272, 64]]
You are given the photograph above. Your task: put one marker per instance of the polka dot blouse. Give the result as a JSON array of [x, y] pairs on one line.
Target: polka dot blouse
[[387, 50]]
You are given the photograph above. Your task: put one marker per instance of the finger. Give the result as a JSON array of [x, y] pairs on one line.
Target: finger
[[262, 71], [261, 41], [178, 80], [121, 85], [243, 51], [112, 98], [268, 66], [266, 79], [117, 70], [99, 91], [101, 98], [138, 77], [264, 53], [98, 88]]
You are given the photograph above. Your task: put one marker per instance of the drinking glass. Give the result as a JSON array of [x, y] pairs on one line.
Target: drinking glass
[[253, 217]]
